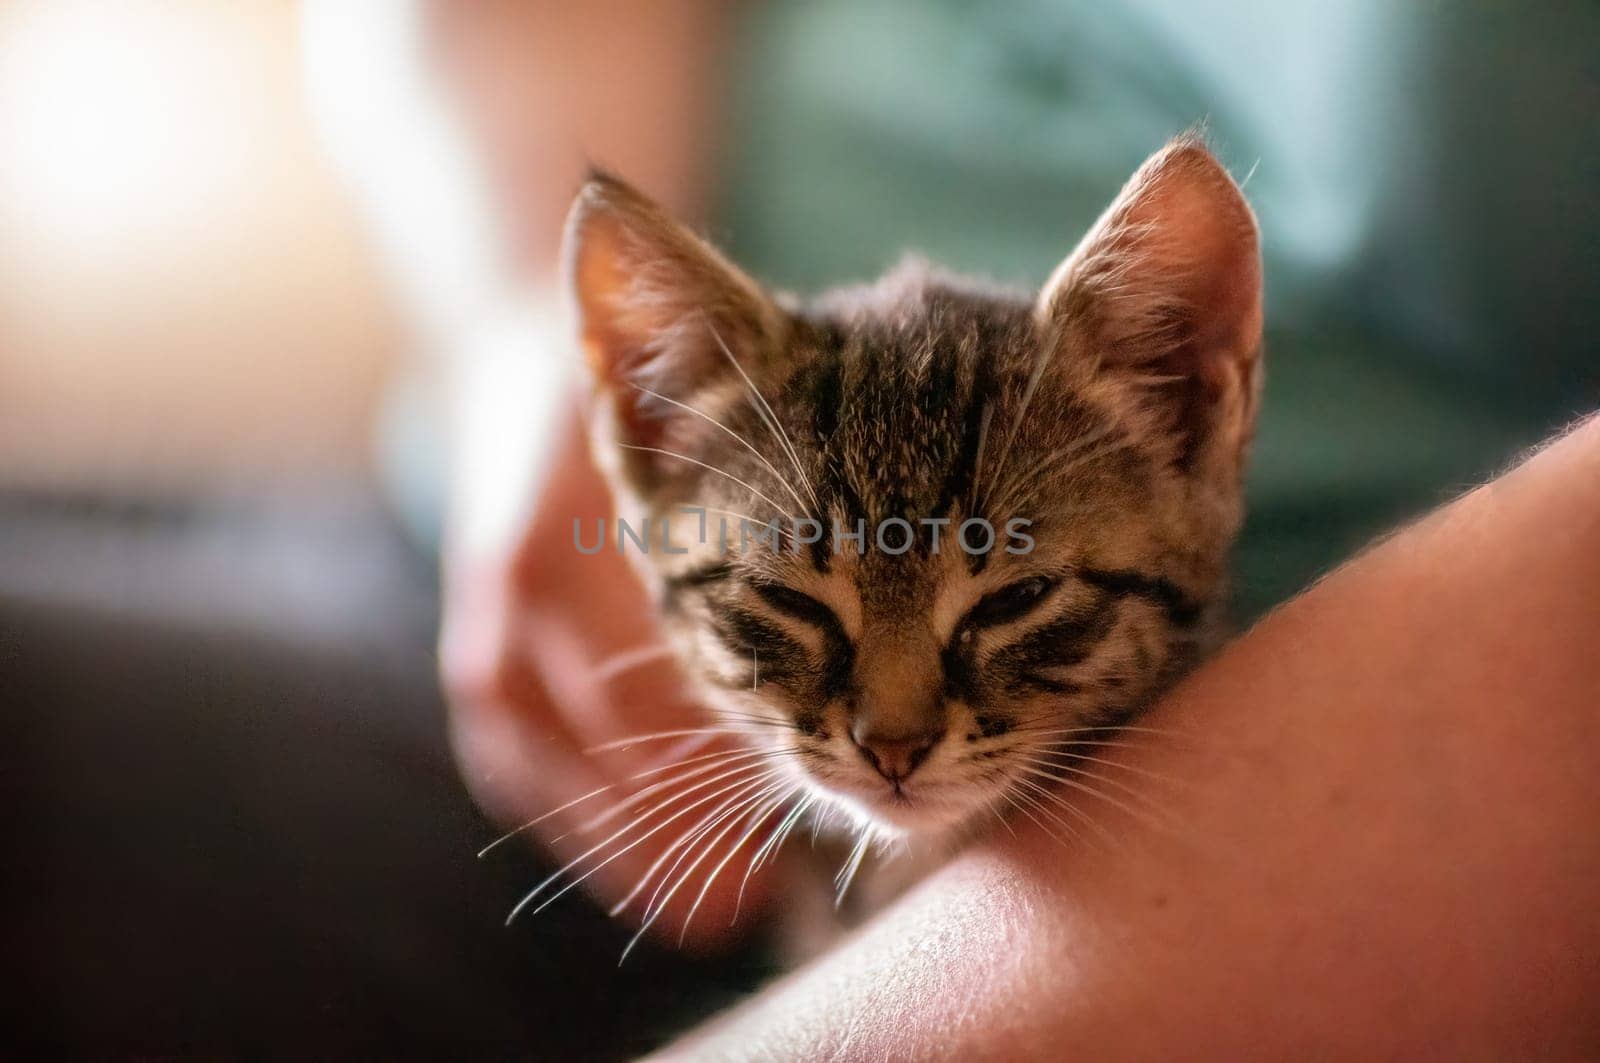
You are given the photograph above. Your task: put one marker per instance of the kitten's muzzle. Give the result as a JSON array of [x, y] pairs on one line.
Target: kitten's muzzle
[[894, 756]]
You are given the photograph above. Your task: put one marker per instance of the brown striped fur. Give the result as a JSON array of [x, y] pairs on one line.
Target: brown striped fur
[[1112, 409]]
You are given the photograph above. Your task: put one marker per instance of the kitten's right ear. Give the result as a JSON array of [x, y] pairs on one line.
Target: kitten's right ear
[[663, 318], [1166, 288]]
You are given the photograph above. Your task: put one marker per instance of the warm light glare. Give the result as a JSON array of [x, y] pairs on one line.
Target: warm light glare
[[108, 116]]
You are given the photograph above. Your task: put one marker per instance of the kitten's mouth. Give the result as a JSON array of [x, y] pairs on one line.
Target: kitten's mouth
[[903, 807], [881, 793]]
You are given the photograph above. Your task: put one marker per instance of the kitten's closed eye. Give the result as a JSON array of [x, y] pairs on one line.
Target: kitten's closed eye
[[837, 654], [797, 604], [1011, 602]]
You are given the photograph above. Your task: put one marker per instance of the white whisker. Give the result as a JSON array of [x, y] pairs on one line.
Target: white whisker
[[1075, 448], [710, 468], [735, 716], [738, 758], [626, 661], [1001, 819], [572, 864], [1021, 802], [596, 792], [1075, 784], [705, 852], [772, 840], [776, 841], [656, 736], [1043, 798], [1111, 728], [747, 518], [758, 817], [1081, 773], [683, 842], [978, 454], [847, 874], [766, 414], [1135, 769], [741, 440], [1041, 361]]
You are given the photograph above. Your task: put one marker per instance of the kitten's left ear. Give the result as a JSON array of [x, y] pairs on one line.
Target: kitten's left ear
[[665, 322], [1165, 291]]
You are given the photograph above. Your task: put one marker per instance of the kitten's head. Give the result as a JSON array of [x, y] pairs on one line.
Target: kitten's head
[[1097, 429]]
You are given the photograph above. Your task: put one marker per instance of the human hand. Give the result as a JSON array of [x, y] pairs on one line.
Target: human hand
[[552, 661]]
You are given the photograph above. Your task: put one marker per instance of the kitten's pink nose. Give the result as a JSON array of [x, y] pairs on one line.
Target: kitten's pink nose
[[895, 756]]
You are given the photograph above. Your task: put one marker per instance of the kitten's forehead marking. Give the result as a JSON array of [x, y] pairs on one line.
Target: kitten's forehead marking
[[913, 367]]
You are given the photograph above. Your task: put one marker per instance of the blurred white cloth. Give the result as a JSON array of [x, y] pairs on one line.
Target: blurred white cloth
[[467, 431]]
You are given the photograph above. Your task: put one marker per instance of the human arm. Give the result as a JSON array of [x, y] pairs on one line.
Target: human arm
[[536, 639]]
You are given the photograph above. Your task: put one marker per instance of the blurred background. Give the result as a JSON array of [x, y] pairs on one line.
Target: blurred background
[[279, 323]]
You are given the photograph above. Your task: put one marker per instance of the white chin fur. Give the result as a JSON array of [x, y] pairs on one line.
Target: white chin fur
[[911, 815]]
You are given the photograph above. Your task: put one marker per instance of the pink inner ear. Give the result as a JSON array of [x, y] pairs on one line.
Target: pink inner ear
[[1192, 225], [599, 283], [631, 302], [647, 287], [616, 337], [1176, 252], [656, 308], [1167, 286]]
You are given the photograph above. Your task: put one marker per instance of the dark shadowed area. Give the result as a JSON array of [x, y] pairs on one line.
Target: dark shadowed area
[[234, 823]]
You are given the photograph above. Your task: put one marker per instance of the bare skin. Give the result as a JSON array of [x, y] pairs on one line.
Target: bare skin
[[531, 628], [539, 652], [1383, 838]]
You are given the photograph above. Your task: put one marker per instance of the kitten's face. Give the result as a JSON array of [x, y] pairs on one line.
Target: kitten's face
[[1097, 429]]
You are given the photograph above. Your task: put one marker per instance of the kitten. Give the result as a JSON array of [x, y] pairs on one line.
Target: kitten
[[1098, 429]]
